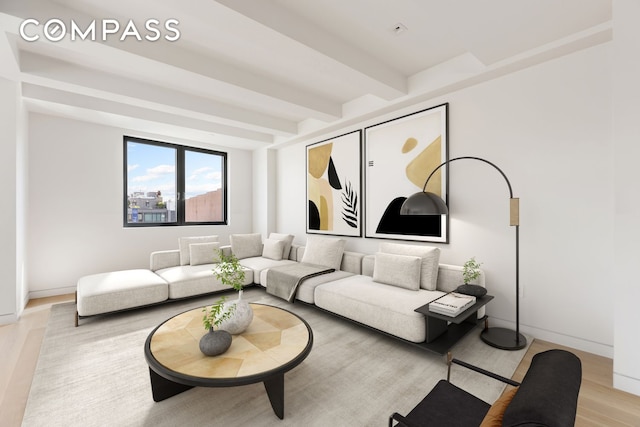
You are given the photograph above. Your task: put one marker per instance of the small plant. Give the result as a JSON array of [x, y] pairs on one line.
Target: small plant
[[216, 314], [471, 270], [229, 271]]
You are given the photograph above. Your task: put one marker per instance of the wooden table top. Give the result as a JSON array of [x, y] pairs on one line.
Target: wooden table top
[[274, 339]]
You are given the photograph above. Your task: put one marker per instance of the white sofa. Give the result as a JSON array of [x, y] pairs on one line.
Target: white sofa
[[379, 290], [178, 273], [353, 293]]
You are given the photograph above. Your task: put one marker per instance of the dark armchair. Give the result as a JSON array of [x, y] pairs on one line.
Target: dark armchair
[[547, 397]]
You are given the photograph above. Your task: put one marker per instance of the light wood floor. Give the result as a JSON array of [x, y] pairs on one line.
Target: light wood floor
[[598, 405]]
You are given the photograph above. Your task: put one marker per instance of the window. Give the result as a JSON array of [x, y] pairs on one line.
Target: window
[[167, 184]]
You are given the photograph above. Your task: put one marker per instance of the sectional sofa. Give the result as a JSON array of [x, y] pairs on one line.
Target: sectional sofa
[[380, 290]]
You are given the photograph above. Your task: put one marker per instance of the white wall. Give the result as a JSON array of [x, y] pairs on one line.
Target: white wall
[[22, 206], [12, 234], [75, 205], [627, 203], [264, 191], [549, 129]]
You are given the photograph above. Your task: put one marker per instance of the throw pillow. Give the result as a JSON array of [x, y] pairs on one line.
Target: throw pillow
[[430, 260], [204, 253], [324, 251], [272, 249], [184, 242], [246, 245], [493, 418], [287, 240], [398, 270], [473, 290]]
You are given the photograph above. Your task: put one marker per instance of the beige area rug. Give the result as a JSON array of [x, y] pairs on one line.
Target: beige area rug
[[96, 375]]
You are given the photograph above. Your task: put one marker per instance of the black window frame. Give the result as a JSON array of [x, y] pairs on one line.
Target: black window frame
[[180, 184]]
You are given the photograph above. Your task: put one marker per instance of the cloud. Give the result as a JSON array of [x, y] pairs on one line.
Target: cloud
[[214, 176], [155, 173], [162, 170], [196, 173], [132, 167]]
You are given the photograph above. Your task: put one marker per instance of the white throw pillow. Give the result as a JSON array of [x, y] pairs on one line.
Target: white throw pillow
[[324, 251], [184, 242], [246, 245], [430, 261], [398, 270], [287, 239], [204, 253], [273, 249]]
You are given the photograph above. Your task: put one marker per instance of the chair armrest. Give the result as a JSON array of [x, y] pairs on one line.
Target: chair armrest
[[402, 421], [479, 370], [164, 259]]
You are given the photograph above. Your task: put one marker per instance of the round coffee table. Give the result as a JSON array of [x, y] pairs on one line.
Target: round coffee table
[[275, 342]]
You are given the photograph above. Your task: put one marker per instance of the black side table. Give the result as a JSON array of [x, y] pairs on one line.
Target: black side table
[[443, 332]]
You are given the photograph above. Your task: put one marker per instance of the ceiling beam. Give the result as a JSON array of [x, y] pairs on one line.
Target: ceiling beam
[[379, 79], [173, 61], [47, 71], [55, 96], [229, 81]]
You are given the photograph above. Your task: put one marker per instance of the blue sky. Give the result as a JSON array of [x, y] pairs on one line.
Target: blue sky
[[152, 168]]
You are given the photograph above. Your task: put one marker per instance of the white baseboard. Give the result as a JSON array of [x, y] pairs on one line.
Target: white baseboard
[[600, 349], [6, 319], [625, 383], [52, 292]]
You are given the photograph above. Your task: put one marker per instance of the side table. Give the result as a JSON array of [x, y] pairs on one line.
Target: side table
[[443, 332]]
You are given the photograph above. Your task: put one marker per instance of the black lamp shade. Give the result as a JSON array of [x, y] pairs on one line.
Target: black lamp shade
[[424, 203]]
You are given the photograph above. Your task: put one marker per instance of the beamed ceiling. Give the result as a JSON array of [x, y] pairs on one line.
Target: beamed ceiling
[[263, 73]]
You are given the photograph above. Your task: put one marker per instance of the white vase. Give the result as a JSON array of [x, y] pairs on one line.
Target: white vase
[[241, 317]]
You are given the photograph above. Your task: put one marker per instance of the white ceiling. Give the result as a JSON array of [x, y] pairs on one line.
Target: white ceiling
[[262, 73]]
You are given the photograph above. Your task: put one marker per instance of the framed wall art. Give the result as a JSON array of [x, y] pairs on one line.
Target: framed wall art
[[400, 155], [334, 186]]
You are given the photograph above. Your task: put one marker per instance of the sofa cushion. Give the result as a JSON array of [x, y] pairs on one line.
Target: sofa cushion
[[323, 251], [119, 290], [398, 270], [496, 412], [204, 253], [352, 262], [548, 393], [257, 264], [246, 245], [383, 307], [184, 242], [430, 259], [189, 280], [287, 240], [273, 249]]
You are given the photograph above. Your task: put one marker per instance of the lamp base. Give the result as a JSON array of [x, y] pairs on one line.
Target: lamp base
[[504, 339]]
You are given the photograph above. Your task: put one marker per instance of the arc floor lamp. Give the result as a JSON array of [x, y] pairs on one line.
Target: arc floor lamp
[[425, 203]]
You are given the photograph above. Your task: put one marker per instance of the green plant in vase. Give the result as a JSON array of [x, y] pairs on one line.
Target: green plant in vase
[[471, 270], [215, 314], [231, 273], [470, 273]]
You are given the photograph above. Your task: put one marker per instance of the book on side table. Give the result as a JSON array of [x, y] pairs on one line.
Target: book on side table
[[452, 304]]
